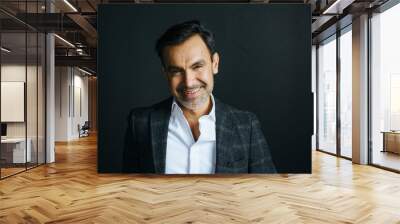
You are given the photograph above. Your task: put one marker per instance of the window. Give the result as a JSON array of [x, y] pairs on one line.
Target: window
[[346, 93], [327, 95], [385, 88]]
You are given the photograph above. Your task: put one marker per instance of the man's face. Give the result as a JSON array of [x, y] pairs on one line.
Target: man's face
[[190, 71]]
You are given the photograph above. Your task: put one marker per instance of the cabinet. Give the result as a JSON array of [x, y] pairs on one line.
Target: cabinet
[[13, 150], [391, 141]]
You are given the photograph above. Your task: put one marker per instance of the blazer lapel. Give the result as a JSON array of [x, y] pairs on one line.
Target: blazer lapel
[[159, 122], [224, 131]]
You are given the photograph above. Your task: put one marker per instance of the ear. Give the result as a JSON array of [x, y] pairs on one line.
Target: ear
[[215, 63]]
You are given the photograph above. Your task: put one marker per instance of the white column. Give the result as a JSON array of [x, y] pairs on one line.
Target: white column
[[360, 90], [50, 92]]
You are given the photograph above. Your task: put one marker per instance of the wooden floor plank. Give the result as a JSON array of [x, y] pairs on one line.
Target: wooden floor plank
[[71, 191]]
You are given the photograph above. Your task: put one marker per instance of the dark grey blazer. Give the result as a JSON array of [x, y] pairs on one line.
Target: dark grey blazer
[[240, 147]]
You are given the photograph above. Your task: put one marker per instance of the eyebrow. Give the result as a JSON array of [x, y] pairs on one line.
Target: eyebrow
[[173, 67]]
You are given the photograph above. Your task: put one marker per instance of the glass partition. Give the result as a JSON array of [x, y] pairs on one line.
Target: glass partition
[[41, 91], [13, 109], [22, 88], [31, 100]]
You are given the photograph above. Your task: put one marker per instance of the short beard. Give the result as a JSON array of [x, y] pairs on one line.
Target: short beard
[[195, 105]]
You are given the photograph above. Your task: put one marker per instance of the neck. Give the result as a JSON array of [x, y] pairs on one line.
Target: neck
[[198, 112]]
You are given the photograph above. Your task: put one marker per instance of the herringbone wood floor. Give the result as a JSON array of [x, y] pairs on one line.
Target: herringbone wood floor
[[71, 191]]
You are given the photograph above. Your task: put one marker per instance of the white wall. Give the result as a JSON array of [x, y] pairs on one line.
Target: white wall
[[33, 126], [62, 81], [81, 104], [71, 102], [13, 73], [16, 73]]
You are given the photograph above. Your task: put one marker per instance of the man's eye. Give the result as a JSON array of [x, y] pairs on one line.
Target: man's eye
[[174, 72], [198, 67]]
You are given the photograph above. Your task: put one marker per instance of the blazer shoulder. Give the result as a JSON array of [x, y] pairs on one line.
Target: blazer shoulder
[[243, 116], [145, 111]]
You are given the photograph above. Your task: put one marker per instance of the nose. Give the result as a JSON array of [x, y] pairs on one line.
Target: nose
[[190, 79]]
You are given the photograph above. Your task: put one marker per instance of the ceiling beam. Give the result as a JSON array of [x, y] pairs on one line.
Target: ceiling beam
[[83, 61], [84, 24]]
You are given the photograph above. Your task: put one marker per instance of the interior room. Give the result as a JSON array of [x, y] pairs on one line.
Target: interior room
[[49, 151]]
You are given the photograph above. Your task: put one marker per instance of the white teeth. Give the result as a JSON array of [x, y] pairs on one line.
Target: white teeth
[[191, 91]]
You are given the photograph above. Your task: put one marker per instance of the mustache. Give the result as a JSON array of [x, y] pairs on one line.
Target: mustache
[[189, 88]]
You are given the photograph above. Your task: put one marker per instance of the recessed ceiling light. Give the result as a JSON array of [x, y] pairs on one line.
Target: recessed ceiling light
[[64, 40], [84, 71], [5, 50], [70, 5], [337, 7]]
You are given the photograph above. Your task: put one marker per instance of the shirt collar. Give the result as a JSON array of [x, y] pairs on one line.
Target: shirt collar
[[177, 110]]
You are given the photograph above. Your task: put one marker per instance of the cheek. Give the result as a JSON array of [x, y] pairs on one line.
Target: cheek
[[174, 83], [206, 77]]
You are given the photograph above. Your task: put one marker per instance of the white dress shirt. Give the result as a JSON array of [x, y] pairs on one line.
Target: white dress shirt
[[184, 154]]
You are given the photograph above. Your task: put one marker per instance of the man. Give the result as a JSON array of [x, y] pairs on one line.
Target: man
[[193, 132]]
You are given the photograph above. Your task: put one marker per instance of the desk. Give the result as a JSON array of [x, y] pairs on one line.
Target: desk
[[391, 141], [15, 148]]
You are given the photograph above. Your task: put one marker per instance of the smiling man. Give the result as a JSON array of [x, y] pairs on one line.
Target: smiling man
[[193, 132]]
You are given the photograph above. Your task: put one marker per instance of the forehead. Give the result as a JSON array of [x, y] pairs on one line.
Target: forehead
[[191, 49]]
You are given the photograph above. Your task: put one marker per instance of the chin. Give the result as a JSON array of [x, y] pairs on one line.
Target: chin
[[191, 105], [194, 104]]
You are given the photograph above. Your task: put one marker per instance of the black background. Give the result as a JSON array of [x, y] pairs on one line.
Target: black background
[[265, 67]]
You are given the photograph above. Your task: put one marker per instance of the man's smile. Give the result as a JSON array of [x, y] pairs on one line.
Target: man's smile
[[191, 93]]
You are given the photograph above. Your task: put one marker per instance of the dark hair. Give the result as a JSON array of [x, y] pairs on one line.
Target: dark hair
[[179, 33]]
